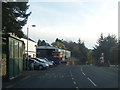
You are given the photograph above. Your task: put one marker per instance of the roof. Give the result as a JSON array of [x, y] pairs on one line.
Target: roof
[[50, 47], [28, 39], [46, 47], [25, 37], [10, 35]]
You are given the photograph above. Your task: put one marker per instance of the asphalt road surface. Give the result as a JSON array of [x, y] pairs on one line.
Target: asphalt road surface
[[74, 76]]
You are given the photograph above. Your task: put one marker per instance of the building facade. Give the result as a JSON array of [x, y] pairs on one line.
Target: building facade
[[31, 47]]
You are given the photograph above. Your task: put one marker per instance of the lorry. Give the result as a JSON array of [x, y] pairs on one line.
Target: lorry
[[52, 53]]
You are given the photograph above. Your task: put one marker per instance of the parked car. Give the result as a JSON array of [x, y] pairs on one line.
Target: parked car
[[51, 63], [37, 64], [45, 61], [42, 60]]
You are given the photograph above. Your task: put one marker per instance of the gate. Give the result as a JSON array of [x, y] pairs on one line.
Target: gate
[[15, 48]]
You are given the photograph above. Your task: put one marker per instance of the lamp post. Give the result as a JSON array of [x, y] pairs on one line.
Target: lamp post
[[27, 42]]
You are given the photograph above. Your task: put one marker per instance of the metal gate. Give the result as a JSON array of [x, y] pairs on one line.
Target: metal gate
[[14, 56]]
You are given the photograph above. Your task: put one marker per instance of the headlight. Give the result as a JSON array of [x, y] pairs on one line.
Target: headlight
[[46, 64]]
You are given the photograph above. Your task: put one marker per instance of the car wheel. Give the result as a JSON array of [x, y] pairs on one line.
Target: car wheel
[[40, 67]]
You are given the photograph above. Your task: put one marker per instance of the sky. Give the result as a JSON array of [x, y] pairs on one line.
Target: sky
[[71, 20]]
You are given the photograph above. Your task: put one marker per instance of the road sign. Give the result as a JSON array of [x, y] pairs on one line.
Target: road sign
[[102, 59]]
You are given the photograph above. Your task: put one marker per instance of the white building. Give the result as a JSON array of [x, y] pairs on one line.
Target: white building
[[31, 47]]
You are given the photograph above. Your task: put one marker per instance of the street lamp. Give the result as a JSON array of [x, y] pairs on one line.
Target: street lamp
[[27, 41]]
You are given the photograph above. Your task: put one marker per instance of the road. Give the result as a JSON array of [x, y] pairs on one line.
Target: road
[[74, 76]]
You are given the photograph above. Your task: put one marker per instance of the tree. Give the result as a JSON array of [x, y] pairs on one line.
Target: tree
[[90, 57], [83, 51], [59, 45], [42, 43], [100, 48], [78, 50], [58, 40], [14, 17], [104, 46], [39, 42]]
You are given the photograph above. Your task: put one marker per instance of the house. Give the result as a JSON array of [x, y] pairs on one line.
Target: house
[[31, 47]]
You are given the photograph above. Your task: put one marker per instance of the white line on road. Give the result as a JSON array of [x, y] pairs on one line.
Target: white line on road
[[71, 73], [74, 82], [83, 73], [77, 88], [91, 81], [81, 69], [72, 78]]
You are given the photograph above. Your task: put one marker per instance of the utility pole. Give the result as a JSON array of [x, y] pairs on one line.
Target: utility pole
[[27, 43]]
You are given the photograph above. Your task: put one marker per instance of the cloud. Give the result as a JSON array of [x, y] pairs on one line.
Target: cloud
[[71, 0], [62, 15], [87, 24]]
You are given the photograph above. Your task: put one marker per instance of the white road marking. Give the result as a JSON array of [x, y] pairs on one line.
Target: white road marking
[[71, 73], [91, 81], [81, 69], [83, 73], [77, 88], [74, 82], [72, 78]]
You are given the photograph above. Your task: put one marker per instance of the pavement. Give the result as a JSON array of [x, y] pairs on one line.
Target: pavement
[[72, 76], [13, 82]]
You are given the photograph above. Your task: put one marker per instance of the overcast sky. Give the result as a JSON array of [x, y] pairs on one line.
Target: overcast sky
[[73, 20]]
